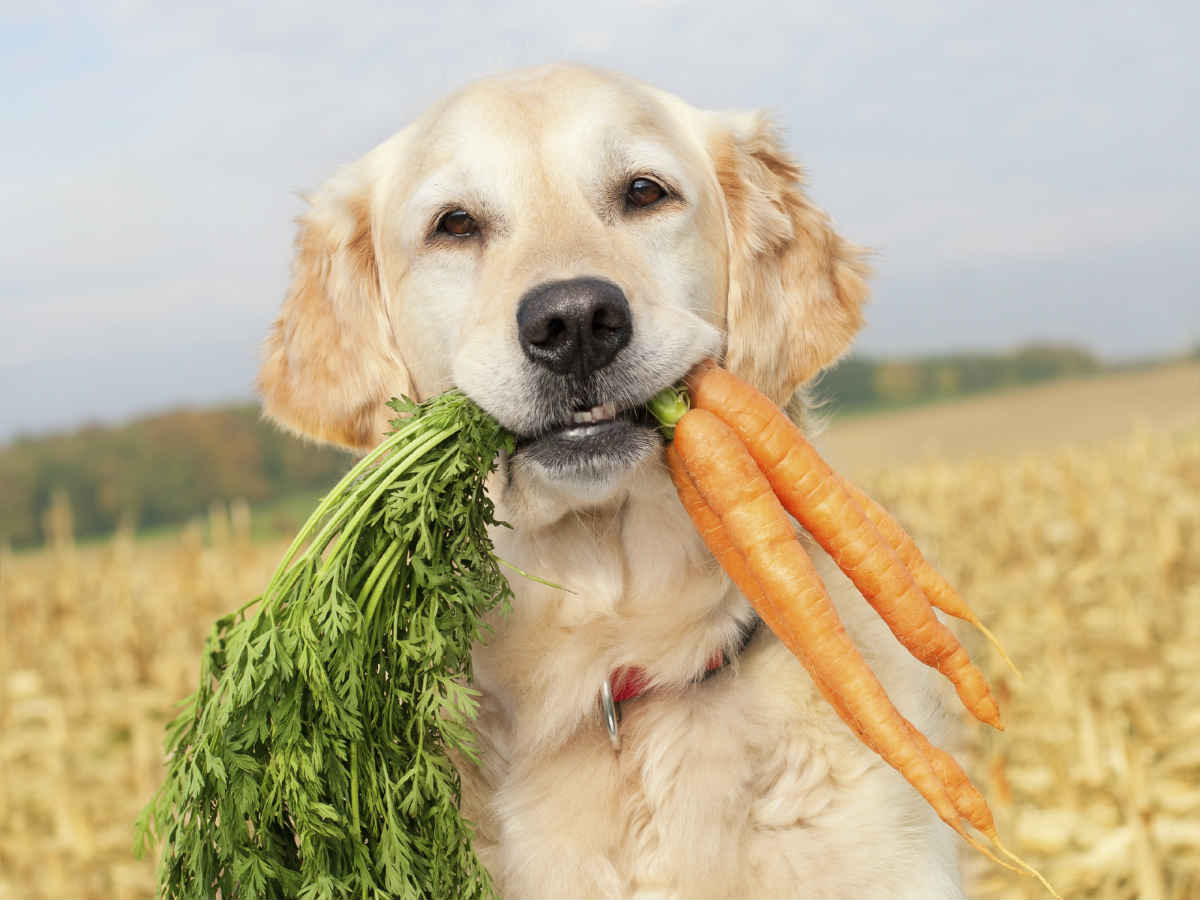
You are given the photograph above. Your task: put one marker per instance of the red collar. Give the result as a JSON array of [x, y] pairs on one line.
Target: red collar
[[628, 682]]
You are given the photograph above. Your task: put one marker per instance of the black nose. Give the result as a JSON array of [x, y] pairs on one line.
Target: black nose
[[575, 326]]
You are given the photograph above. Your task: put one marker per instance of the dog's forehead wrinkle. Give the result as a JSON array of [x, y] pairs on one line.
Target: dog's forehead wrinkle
[[613, 121]]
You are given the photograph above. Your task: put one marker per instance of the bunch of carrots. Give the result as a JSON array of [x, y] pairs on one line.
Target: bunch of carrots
[[740, 465]]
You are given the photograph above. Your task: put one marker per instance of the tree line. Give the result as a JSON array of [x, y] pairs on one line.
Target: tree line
[[863, 384], [158, 470]]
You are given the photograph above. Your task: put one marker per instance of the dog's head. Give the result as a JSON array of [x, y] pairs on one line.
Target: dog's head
[[560, 243]]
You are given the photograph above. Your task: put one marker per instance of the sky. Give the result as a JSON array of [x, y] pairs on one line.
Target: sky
[[1022, 171]]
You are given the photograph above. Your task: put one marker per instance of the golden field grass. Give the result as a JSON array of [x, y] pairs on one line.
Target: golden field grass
[[1083, 556], [1082, 410]]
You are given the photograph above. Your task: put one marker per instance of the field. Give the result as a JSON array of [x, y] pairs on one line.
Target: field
[[1068, 514]]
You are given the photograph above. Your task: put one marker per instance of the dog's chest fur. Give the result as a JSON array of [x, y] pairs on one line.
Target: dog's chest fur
[[744, 784]]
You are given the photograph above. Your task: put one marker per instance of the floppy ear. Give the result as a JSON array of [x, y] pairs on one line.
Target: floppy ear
[[330, 362], [796, 289]]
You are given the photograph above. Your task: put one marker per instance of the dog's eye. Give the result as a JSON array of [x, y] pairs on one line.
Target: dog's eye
[[644, 192], [458, 222]]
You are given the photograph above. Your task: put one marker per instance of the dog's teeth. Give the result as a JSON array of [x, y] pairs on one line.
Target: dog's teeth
[[601, 413]]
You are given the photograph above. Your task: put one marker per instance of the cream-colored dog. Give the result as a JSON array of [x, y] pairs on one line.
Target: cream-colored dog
[[561, 243]]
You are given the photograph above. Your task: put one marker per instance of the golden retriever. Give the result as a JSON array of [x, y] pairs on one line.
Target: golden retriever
[[561, 243]]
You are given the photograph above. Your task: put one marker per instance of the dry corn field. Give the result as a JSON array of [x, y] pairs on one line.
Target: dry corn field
[[1086, 563], [1084, 560]]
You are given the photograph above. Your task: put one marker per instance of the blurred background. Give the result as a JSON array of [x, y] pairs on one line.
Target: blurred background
[[1026, 395]]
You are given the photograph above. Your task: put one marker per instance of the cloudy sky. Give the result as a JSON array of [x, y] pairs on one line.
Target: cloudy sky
[[1023, 170]]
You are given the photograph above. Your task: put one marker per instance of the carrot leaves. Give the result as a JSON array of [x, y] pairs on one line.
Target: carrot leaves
[[314, 758]]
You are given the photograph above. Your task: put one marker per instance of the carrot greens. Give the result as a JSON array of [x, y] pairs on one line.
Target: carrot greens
[[314, 759]]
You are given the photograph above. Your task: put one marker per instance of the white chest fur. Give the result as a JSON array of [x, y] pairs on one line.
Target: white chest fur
[[746, 784]]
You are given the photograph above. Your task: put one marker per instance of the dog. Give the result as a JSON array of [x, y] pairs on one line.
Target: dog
[[560, 243]]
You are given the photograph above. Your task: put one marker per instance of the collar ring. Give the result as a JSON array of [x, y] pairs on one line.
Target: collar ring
[[612, 715]]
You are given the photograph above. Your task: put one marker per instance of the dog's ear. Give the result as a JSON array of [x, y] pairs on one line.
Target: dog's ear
[[796, 288], [330, 362]]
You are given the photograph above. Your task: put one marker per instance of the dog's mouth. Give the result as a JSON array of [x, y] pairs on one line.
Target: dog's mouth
[[594, 441]]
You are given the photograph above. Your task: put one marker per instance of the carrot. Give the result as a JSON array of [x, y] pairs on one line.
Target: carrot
[[936, 588], [971, 805], [707, 449], [733, 504], [815, 494], [965, 796], [709, 526], [736, 510]]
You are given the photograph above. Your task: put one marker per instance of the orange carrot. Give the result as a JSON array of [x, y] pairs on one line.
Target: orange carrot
[[971, 805], [936, 588], [733, 505], [813, 493], [965, 796], [709, 526], [775, 571]]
